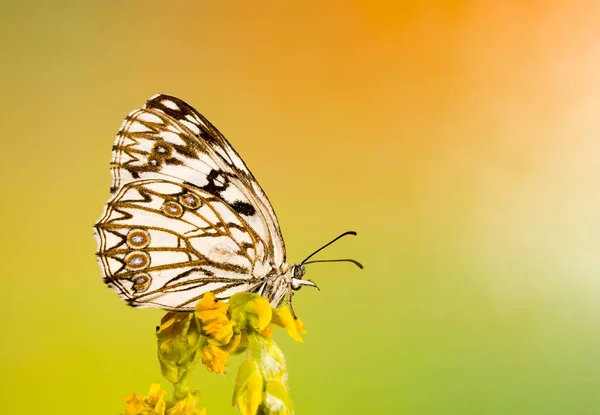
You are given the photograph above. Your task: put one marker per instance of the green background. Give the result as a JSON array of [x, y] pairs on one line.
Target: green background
[[460, 139]]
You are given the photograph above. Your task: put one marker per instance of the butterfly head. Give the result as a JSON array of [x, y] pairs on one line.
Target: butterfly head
[[296, 282], [278, 288]]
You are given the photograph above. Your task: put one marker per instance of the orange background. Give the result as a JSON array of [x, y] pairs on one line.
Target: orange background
[[460, 139]]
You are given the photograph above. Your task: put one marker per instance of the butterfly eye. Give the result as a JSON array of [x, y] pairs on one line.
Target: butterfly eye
[[298, 271], [172, 209], [190, 200], [138, 238], [137, 260], [141, 282]]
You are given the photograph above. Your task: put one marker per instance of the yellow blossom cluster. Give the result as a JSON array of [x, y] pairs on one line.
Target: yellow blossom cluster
[[212, 333], [155, 404], [240, 326], [228, 325]]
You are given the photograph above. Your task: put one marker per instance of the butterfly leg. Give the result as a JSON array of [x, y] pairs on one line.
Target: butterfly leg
[[290, 296]]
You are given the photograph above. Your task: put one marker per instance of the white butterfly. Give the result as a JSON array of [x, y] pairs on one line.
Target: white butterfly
[[186, 216]]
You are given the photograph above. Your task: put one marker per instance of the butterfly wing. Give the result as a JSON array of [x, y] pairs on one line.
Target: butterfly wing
[[154, 249], [169, 139], [164, 244]]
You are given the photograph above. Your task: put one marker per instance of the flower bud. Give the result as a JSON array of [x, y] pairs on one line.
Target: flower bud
[[277, 400], [248, 392], [250, 311]]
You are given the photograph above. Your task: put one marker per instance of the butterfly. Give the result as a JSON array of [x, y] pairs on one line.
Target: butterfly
[[186, 216]]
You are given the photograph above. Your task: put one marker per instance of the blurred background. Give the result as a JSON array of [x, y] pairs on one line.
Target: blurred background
[[459, 138]]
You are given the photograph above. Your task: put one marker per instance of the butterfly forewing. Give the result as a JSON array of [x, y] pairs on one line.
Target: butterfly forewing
[[186, 215], [169, 138]]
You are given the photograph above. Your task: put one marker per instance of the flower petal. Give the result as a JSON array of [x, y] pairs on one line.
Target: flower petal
[[155, 394], [219, 332], [214, 358], [186, 406], [294, 326], [135, 404]]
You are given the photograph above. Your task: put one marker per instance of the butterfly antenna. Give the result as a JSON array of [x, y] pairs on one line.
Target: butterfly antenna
[[358, 264], [326, 245]]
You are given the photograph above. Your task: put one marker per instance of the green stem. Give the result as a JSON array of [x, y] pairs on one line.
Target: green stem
[[179, 388]]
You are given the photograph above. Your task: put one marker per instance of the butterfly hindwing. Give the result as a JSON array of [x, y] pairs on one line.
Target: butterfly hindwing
[[165, 243]]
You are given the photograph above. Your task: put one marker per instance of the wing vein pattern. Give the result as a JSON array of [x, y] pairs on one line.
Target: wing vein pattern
[[186, 216]]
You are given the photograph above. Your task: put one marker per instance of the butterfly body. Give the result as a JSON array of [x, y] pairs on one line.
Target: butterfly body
[[186, 216]]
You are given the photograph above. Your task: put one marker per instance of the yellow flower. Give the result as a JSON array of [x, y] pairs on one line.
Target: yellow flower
[[178, 325], [219, 332], [155, 404], [227, 325], [250, 311], [186, 406], [215, 322], [294, 326], [261, 381], [269, 357], [214, 358], [300, 326], [178, 342], [277, 399], [213, 332], [208, 308], [248, 392], [135, 404]]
